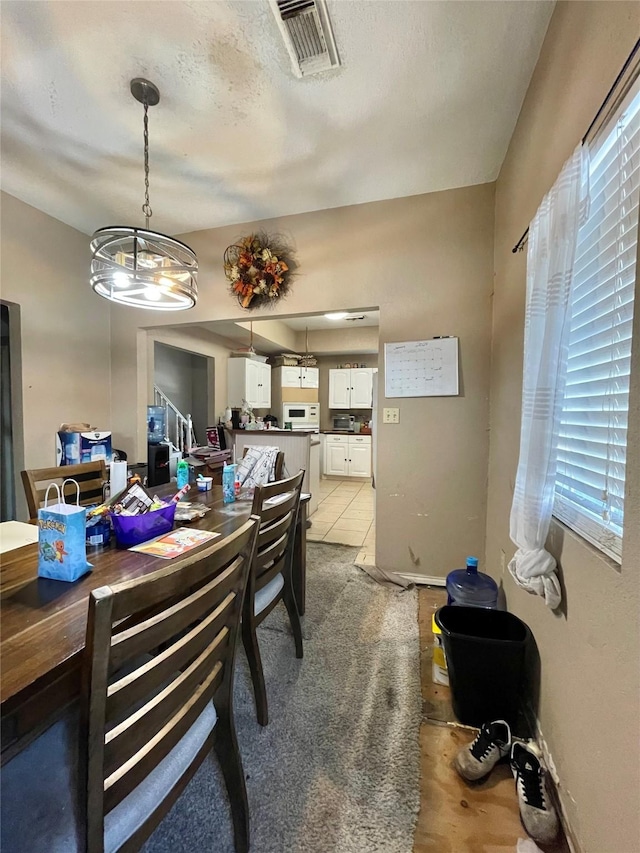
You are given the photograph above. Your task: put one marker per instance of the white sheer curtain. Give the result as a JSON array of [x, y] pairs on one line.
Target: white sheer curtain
[[553, 236]]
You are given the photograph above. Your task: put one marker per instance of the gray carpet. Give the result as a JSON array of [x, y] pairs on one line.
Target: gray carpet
[[337, 768]]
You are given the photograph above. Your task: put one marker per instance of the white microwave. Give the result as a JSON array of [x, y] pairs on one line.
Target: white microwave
[[301, 415]]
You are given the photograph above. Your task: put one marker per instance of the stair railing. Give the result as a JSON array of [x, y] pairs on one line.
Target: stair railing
[[179, 428]]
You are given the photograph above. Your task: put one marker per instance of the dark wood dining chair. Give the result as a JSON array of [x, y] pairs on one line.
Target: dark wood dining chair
[[90, 476], [148, 718], [270, 580]]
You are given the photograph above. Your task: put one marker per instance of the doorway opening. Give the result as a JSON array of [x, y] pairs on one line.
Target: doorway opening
[[186, 380], [323, 374]]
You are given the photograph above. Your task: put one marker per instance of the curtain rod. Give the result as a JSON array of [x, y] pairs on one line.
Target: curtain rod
[[519, 246]]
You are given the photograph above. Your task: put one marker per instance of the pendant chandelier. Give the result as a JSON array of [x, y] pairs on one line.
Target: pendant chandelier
[[139, 267]]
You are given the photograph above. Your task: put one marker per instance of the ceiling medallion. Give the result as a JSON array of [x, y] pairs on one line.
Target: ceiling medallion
[[139, 267]]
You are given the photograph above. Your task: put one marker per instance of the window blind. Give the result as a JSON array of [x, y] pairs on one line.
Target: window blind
[[590, 473]]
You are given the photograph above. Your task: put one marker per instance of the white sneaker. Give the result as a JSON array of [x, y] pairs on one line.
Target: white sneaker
[[492, 744], [537, 812]]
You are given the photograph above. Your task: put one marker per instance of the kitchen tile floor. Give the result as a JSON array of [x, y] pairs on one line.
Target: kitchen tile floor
[[346, 516]]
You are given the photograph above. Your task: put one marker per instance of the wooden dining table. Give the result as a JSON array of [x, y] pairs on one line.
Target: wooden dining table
[[43, 622]]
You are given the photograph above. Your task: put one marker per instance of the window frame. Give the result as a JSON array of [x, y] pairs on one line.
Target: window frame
[[580, 519]]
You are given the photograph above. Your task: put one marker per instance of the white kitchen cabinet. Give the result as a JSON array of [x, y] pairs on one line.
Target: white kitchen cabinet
[[351, 388], [289, 377], [336, 460], [340, 388], [347, 455], [297, 377], [359, 459], [361, 387], [310, 377], [249, 380]]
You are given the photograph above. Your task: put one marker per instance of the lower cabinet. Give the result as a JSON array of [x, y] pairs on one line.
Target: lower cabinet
[[335, 459], [359, 460], [347, 455]]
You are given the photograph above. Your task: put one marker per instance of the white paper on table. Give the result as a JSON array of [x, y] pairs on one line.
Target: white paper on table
[[15, 534]]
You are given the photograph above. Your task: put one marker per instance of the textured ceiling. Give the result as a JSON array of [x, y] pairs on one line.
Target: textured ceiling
[[426, 99]]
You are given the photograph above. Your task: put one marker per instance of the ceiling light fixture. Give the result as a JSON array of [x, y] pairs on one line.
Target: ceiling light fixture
[[337, 315], [139, 267]]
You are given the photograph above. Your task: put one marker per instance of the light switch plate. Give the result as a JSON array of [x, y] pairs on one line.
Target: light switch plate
[[391, 416]]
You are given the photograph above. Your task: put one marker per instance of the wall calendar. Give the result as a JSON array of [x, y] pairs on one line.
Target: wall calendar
[[421, 368]]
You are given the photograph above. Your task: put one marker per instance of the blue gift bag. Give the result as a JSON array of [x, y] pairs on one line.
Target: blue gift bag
[[62, 547]]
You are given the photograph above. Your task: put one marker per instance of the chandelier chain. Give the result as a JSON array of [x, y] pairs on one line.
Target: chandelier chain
[[146, 207]]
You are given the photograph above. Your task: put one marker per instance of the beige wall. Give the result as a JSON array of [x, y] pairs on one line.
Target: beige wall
[[589, 713], [64, 328], [427, 262], [355, 339], [274, 331]]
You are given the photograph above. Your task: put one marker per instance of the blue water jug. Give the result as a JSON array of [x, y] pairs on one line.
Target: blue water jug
[[155, 424], [471, 588]]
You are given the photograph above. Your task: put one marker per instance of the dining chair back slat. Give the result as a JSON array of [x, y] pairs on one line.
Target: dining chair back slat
[[273, 549], [90, 476], [128, 776], [160, 627], [134, 722], [133, 687], [134, 598], [270, 573], [275, 507], [126, 739]]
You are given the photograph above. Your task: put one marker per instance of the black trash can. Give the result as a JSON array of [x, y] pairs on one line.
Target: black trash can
[[486, 652]]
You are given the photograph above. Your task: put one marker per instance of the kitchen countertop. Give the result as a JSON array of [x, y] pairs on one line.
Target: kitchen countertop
[[272, 431], [342, 432]]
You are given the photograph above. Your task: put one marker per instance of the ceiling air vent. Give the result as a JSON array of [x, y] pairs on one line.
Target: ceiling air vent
[[308, 36]]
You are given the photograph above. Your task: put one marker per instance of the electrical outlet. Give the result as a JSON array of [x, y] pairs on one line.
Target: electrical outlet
[[391, 416]]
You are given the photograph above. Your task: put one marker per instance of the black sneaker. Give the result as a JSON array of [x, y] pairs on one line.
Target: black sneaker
[[538, 815], [492, 744]]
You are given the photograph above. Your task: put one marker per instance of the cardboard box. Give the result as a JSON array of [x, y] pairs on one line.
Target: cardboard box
[[72, 448]]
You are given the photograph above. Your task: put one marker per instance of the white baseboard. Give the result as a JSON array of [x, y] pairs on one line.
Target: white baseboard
[[572, 841], [423, 580]]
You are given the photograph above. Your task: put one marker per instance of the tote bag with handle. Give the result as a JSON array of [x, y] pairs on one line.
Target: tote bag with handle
[[62, 547]]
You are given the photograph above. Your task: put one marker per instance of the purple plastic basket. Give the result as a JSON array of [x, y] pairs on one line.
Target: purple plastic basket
[[132, 530]]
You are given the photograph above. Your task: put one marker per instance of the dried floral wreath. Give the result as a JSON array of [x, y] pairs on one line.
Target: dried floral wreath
[[260, 268]]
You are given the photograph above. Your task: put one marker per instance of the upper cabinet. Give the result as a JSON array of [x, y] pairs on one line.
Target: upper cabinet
[[249, 380], [289, 377], [310, 377], [351, 388], [296, 377], [361, 387], [340, 388]]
